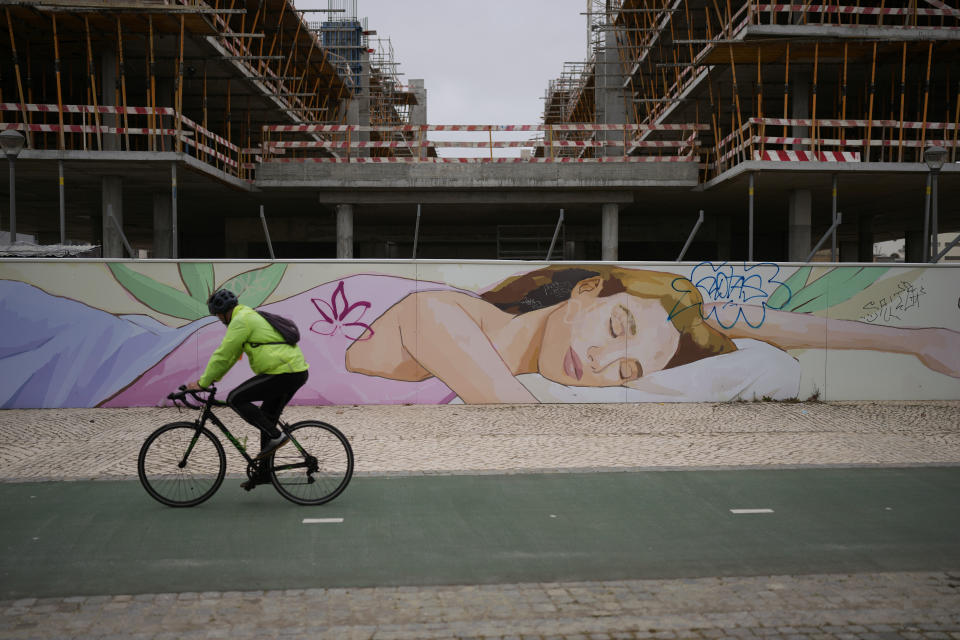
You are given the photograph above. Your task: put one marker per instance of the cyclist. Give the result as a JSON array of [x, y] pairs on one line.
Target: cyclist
[[280, 370]]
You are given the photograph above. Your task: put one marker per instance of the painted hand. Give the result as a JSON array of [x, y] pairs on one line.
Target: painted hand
[[939, 349]]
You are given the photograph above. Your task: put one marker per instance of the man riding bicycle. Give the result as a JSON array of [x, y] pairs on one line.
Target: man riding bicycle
[[280, 370]]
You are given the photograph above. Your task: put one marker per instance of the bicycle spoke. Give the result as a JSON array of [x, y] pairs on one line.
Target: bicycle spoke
[[317, 468], [181, 465]]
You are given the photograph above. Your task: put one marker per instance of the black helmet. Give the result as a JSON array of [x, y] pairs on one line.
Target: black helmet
[[221, 302]]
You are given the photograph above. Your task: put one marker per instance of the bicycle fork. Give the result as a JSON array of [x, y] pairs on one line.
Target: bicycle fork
[[193, 443]]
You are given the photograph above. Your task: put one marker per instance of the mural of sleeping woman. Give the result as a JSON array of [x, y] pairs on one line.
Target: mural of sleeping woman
[[601, 326], [121, 334]]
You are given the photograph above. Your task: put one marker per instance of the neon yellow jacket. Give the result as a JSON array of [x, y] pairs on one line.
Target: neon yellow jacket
[[246, 326]]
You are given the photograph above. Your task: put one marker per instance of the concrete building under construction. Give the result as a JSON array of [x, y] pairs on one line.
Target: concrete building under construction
[[164, 128], [150, 116], [814, 113]]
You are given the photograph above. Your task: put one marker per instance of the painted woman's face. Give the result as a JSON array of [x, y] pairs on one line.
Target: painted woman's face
[[591, 341]]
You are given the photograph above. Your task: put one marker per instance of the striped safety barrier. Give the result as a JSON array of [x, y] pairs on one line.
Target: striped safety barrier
[[807, 156], [344, 128], [614, 159], [833, 142], [846, 9], [86, 108], [213, 152], [499, 144], [88, 128], [808, 122]]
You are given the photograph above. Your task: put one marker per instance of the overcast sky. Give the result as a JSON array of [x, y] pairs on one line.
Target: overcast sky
[[483, 62]]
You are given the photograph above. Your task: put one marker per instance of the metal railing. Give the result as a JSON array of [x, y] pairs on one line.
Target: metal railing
[[550, 143], [87, 128]]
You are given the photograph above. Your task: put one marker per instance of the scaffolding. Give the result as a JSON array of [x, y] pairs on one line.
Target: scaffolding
[[820, 81], [164, 75]]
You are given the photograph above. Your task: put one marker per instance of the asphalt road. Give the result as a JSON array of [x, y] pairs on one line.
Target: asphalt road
[[86, 538]]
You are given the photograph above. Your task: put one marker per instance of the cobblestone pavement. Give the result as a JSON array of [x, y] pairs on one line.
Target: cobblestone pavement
[[912, 606], [102, 444]]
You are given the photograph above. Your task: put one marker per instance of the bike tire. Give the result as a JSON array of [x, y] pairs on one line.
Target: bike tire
[[311, 482], [177, 480]]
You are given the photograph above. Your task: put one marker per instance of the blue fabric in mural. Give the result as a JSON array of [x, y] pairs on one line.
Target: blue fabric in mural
[[57, 352]]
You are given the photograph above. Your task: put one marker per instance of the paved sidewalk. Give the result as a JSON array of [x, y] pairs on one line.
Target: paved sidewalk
[[102, 444]]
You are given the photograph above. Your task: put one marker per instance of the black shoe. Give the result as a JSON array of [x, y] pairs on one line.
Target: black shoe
[[253, 482], [272, 445]]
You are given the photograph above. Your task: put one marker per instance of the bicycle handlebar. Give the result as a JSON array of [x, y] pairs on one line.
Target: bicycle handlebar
[[181, 396]]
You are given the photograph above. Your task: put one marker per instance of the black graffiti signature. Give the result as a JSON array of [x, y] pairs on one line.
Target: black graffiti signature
[[891, 307]]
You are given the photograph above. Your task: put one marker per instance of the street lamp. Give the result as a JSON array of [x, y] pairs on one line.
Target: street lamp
[[12, 143], [934, 157]]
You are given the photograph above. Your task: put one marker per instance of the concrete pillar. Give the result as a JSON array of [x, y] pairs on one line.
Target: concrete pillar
[[112, 202], [108, 97], [418, 112], [800, 200], [800, 82], [609, 103], [865, 239], [358, 109], [345, 231], [610, 232], [800, 215], [913, 245], [162, 226]]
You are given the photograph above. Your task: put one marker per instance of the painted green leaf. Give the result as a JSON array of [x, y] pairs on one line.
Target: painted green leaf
[[782, 296], [839, 285], [156, 295], [198, 278], [253, 287]]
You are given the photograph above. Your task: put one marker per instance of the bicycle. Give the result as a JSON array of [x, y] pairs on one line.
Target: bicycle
[[182, 464]]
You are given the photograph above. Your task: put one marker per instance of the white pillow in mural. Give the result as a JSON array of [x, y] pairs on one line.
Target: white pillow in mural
[[756, 370]]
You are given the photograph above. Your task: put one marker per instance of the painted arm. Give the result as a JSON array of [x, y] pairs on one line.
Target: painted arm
[[938, 349], [452, 346]]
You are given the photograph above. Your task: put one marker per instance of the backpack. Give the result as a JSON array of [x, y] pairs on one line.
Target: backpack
[[284, 326]]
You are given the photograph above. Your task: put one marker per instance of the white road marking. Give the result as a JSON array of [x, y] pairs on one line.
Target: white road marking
[[743, 511], [322, 520]]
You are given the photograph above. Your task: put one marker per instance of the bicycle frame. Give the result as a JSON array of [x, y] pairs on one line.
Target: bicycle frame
[[207, 414]]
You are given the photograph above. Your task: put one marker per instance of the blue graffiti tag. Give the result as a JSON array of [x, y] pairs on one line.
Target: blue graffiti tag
[[747, 288]]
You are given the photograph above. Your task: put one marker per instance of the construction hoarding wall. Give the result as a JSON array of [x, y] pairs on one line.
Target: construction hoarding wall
[[127, 333]]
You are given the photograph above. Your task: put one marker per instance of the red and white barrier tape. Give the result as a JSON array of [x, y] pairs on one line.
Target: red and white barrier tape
[[81, 108], [84, 128], [882, 11], [806, 122], [344, 128], [304, 144], [807, 156], [833, 142], [613, 159], [204, 148]]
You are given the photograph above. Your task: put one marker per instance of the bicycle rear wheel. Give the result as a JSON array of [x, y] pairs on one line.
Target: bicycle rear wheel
[[316, 467], [181, 464]]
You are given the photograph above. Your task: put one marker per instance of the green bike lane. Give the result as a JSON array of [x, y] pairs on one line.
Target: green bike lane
[[102, 537]]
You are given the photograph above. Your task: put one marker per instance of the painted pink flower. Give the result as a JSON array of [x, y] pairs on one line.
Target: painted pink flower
[[340, 314]]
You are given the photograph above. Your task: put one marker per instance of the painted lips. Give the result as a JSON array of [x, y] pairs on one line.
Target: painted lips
[[571, 364]]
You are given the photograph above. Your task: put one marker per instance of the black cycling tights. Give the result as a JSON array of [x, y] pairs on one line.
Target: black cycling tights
[[274, 390]]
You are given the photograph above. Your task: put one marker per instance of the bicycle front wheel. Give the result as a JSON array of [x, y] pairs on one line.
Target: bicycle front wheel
[[181, 464], [315, 467]]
